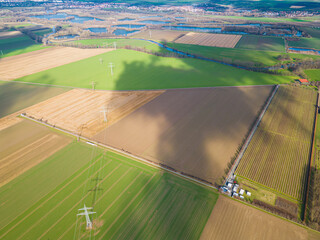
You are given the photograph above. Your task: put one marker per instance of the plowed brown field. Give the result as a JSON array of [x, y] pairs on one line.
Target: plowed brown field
[[233, 220], [36, 61], [160, 35], [79, 110], [210, 39], [24, 145], [195, 131]]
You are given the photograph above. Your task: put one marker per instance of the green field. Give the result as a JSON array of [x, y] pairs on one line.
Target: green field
[[42, 32], [314, 32], [18, 45], [135, 70], [265, 19], [278, 154], [121, 43], [313, 74], [238, 56], [306, 43], [131, 199], [253, 42], [17, 96]]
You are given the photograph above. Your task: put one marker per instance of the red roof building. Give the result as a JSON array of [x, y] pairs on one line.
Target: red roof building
[[303, 81]]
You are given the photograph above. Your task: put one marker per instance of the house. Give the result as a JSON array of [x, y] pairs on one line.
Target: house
[[303, 81], [241, 192]]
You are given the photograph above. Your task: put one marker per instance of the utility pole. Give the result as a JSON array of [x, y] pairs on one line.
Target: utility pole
[[86, 213], [93, 85], [104, 111], [111, 65], [115, 45]]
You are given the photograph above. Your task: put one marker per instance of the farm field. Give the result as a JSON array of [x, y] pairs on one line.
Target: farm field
[[130, 199], [278, 153], [135, 70], [134, 43], [25, 145], [14, 43], [237, 56], [27, 189], [160, 35], [230, 218], [42, 32], [261, 43], [79, 110], [314, 32], [10, 34], [210, 39], [265, 19], [189, 139], [313, 74], [17, 96], [313, 43], [29, 63]]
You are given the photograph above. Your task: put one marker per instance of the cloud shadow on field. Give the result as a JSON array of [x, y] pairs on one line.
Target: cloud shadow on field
[[16, 96], [189, 130]]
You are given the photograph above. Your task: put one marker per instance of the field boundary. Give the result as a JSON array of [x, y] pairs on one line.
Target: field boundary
[[253, 130], [129, 155], [138, 159], [154, 89]]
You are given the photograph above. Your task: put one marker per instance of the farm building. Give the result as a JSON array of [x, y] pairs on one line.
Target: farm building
[[303, 81]]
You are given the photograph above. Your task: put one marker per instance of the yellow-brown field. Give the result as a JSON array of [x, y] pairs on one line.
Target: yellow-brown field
[[36, 61], [210, 39], [79, 110], [231, 219], [160, 35]]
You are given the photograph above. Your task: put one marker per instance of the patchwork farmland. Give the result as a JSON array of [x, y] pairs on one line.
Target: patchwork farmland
[[154, 73], [130, 198], [277, 156], [210, 39], [25, 145], [190, 139]]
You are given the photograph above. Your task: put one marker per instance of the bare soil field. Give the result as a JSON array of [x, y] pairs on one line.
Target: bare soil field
[[36, 61], [195, 131], [210, 39], [10, 34], [231, 219], [79, 110], [160, 35], [24, 145]]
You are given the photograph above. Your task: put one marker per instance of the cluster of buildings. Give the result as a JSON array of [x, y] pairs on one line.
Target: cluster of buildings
[[233, 190]]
